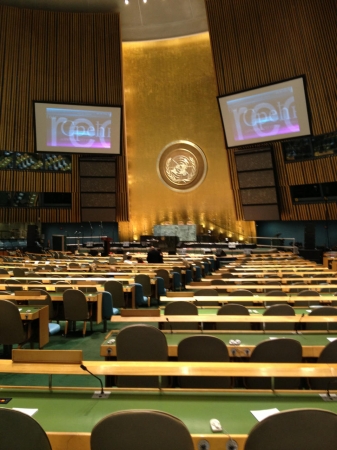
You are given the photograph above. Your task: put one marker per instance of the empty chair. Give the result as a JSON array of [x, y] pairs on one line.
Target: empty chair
[[308, 429], [145, 281], [62, 289], [307, 293], [176, 281], [107, 309], [272, 283], [3, 271], [15, 288], [207, 293], [20, 431], [278, 351], [242, 293], [279, 310], [275, 293], [203, 348], [116, 290], [75, 308], [141, 430], [233, 309], [19, 272], [163, 273], [141, 299], [322, 311], [180, 309], [328, 355], [52, 327], [11, 327], [141, 343]]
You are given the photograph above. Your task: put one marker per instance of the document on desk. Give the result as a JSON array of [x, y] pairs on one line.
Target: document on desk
[[331, 339], [263, 413], [28, 411]]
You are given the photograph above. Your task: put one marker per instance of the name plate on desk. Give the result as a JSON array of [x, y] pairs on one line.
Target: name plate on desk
[[140, 312]]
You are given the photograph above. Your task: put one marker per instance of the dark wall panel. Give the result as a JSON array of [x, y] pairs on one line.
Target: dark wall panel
[[98, 200], [256, 179], [261, 212], [258, 196], [98, 185], [98, 214]]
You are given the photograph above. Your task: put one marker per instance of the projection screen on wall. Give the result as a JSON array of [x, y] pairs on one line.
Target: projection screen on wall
[[77, 128], [277, 111]]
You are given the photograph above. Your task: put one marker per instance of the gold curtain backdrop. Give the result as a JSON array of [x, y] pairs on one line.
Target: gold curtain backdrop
[[170, 95]]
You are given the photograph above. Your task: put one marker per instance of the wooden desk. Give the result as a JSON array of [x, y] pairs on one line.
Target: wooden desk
[[312, 344], [256, 299], [260, 287], [74, 413], [39, 314]]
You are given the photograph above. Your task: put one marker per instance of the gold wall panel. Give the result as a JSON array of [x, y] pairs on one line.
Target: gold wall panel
[[170, 95]]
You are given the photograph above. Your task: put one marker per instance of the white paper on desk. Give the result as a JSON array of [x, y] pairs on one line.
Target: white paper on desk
[[28, 411], [263, 413], [331, 339]]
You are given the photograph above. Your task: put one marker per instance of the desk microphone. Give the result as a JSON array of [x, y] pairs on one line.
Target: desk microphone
[[167, 320], [299, 324], [102, 393], [329, 396]]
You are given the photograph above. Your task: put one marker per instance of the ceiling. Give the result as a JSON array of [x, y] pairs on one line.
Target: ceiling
[[155, 19]]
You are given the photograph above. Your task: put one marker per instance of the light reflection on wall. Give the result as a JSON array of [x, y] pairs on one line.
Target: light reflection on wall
[[170, 94]]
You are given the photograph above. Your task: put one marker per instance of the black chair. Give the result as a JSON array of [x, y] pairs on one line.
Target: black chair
[[13, 288], [11, 327], [307, 429], [141, 430], [328, 355], [116, 290], [233, 309], [242, 293], [76, 309], [203, 348], [206, 293], [62, 289], [141, 343], [20, 431], [278, 351], [180, 309], [275, 293], [322, 311], [53, 328], [279, 310], [164, 274], [307, 293], [145, 281]]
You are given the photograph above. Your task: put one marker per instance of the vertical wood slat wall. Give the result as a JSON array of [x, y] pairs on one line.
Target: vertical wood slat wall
[[55, 57], [262, 42]]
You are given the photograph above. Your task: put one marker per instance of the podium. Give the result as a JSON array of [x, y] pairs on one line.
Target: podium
[[107, 243]]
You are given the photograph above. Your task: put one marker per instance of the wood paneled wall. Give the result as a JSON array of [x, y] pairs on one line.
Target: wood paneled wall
[[261, 42], [56, 57]]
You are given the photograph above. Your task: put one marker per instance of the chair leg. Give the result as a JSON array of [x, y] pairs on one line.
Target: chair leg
[[84, 328], [66, 328], [149, 301]]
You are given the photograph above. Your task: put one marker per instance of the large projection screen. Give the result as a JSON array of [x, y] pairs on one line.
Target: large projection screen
[[68, 128], [269, 113]]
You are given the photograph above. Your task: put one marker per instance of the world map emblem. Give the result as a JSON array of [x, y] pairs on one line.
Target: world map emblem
[[182, 166]]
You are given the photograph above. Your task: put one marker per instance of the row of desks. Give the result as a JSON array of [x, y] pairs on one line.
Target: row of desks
[[312, 344]]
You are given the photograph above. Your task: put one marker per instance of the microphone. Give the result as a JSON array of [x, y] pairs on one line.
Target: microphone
[[329, 396], [298, 326], [102, 394], [170, 325]]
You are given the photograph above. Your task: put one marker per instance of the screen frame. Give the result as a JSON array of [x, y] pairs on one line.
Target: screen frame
[[78, 104], [268, 139]]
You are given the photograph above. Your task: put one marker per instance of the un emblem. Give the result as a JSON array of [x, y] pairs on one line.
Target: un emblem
[[182, 166]]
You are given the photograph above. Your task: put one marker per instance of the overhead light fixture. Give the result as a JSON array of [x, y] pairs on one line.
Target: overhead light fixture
[[144, 1], [126, 2]]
